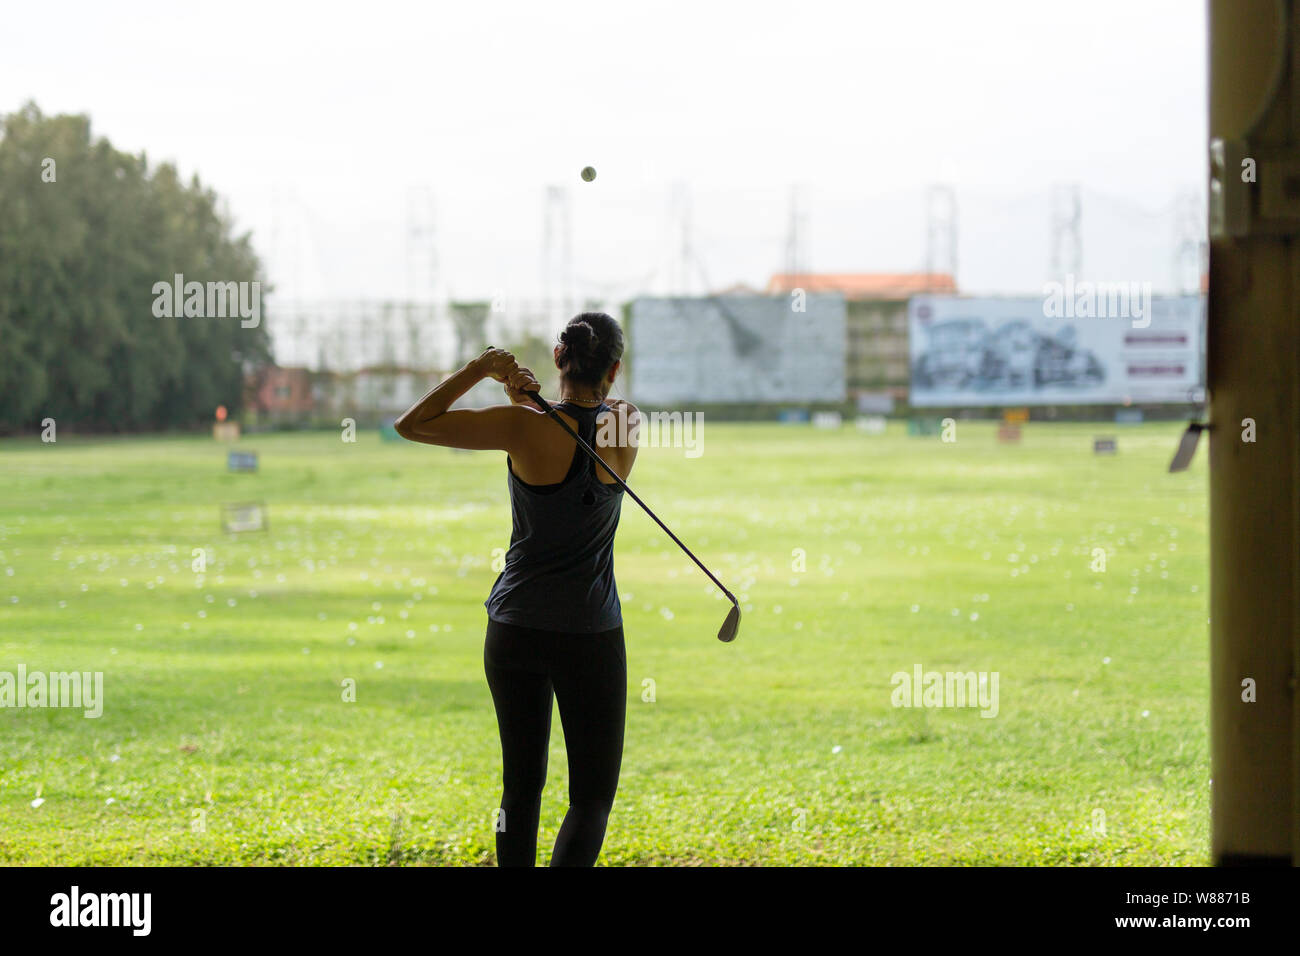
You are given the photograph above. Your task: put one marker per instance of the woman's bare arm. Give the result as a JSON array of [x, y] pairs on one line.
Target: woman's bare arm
[[432, 421]]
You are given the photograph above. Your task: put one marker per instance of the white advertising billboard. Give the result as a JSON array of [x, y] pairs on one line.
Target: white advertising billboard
[[737, 349], [1023, 351]]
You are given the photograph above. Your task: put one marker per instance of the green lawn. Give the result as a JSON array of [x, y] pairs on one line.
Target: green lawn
[[225, 738]]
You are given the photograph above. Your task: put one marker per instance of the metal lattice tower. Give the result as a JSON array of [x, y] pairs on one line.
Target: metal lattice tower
[[941, 231], [682, 257], [425, 304], [1190, 240], [796, 261], [1066, 231], [286, 240], [557, 256], [421, 246]]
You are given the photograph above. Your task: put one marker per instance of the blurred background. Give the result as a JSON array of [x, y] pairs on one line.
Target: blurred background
[[406, 184], [833, 231]]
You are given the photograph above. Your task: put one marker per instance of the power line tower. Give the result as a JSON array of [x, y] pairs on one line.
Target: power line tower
[[1190, 242], [1066, 232], [796, 262], [423, 305], [557, 256], [940, 231], [284, 245], [290, 234], [679, 239], [421, 246]]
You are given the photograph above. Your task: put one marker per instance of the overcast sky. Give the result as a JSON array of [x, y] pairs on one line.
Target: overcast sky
[[319, 122]]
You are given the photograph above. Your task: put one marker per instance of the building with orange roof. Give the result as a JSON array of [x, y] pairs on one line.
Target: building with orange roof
[[866, 286]]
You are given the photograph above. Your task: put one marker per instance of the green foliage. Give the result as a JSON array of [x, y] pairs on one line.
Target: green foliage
[[223, 693], [536, 353], [79, 257]]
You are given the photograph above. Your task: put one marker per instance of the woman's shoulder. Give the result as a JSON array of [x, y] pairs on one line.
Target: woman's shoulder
[[621, 407]]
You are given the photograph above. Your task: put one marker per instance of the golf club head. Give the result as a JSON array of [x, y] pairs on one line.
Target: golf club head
[[731, 626]]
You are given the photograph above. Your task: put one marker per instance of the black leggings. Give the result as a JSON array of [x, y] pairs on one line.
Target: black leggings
[[588, 675]]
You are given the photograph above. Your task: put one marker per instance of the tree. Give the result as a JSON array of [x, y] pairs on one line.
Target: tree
[[86, 231]]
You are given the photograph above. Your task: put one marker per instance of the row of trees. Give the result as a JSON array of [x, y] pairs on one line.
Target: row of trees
[[86, 232]]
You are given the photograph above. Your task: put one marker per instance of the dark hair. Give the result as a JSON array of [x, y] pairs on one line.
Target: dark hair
[[589, 345]]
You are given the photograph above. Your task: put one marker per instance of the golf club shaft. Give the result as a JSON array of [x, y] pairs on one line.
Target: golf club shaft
[[545, 406]]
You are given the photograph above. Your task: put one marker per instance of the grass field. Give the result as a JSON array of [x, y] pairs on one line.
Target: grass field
[[225, 738]]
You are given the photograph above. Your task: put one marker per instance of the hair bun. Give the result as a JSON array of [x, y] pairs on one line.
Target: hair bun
[[586, 355], [580, 337]]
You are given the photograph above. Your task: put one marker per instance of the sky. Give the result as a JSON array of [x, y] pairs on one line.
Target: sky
[[332, 129]]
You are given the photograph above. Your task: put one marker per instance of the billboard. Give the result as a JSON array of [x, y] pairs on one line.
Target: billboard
[[737, 349], [1021, 351]]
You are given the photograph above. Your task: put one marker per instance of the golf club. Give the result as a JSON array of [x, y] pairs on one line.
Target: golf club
[[731, 626]]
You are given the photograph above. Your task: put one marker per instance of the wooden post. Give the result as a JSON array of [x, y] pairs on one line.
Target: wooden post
[[1253, 359]]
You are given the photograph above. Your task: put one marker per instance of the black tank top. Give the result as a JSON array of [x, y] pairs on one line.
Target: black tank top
[[559, 571]]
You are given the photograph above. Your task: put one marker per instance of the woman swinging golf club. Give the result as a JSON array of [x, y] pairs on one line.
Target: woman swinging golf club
[[555, 625]]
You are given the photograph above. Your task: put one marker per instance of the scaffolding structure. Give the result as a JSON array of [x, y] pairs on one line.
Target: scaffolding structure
[[941, 231], [1066, 232]]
